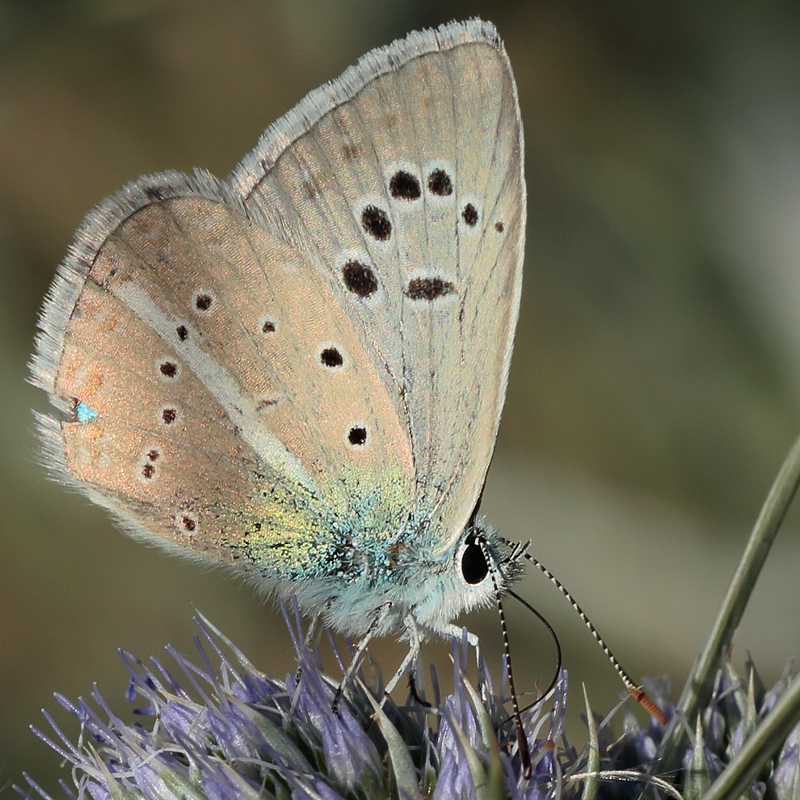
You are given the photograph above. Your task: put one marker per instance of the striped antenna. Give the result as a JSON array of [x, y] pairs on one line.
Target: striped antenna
[[634, 689]]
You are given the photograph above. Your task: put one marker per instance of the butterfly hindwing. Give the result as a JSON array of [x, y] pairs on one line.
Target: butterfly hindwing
[[219, 380]]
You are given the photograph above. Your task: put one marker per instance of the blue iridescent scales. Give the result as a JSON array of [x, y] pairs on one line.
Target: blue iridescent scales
[[299, 372]]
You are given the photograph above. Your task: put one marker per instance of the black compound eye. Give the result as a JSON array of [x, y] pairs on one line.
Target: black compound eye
[[474, 566]]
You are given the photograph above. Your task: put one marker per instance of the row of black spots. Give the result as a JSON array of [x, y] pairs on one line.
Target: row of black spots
[[404, 185], [331, 358], [428, 289], [147, 464], [375, 221], [360, 278], [471, 217]]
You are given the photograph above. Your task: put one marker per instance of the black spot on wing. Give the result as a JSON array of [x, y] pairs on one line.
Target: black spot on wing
[[428, 288], [404, 186], [439, 183], [376, 223], [470, 215], [331, 357], [359, 278]]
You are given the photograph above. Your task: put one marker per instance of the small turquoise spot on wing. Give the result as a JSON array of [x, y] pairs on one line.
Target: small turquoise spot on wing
[[83, 413]]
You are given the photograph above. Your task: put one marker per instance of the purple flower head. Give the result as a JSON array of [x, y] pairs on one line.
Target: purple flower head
[[216, 727]]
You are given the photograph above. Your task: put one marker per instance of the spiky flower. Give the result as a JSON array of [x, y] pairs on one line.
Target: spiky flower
[[724, 725], [232, 732]]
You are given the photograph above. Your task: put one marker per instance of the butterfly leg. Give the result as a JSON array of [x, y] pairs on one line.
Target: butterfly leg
[[411, 656], [456, 633], [310, 641], [383, 612], [313, 632]]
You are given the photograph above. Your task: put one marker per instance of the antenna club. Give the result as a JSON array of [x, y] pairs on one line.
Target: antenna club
[[648, 705]]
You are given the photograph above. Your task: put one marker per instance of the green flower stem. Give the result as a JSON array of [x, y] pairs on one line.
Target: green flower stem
[[698, 687]]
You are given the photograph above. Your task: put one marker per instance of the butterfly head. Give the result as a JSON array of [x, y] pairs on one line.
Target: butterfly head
[[469, 575]]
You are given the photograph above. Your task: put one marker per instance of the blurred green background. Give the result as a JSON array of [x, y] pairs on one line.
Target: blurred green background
[[655, 384]]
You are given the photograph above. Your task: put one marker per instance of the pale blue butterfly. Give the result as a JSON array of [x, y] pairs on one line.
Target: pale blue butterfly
[[299, 372]]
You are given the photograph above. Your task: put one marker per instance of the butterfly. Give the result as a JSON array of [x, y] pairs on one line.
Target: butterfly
[[299, 372]]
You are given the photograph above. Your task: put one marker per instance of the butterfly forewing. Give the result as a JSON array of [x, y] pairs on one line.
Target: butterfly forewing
[[408, 172]]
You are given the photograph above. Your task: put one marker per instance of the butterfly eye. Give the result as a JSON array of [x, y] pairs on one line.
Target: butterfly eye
[[474, 566]]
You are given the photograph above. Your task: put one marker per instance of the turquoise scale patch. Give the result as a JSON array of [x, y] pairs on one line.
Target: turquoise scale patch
[[83, 413]]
